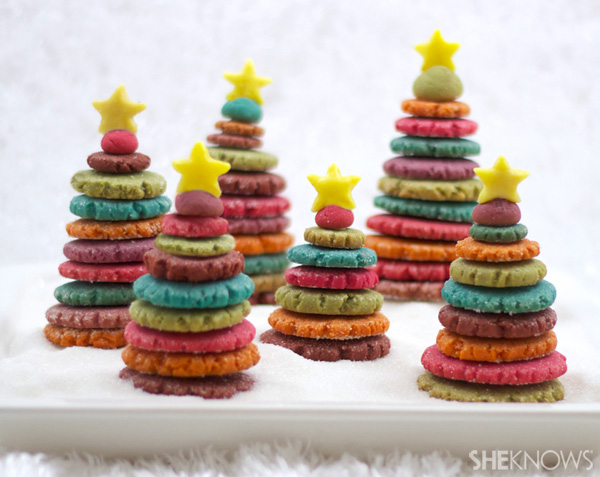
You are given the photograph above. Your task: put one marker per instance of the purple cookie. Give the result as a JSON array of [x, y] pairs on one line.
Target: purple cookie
[[198, 202], [427, 168], [88, 316], [259, 225], [497, 212], [107, 251]]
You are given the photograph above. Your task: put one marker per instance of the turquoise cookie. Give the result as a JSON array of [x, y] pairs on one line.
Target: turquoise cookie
[[500, 300], [269, 263], [135, 185], [327, 257], [434, 147], [242, 109], [94, 294], [508, 234], [194, 295], [429, 209], [107, 209]]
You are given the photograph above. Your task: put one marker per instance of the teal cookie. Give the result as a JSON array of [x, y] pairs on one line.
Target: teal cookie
[[192, 247], [135, 185], [244, 159], [95, 294], [328, 302], [268, 263], [434, 147], [500, 300], [327, 257], [110, 209], [194, 295], [429, 209], [242, 109], [508, 234]]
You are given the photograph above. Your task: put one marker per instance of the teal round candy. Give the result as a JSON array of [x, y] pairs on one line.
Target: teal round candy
[[500, 300], [242, 109], [194, 295], [508, 234], [327, 257], [94, 294], [115, 209], [429, 209], [268, 263], [434, 147]]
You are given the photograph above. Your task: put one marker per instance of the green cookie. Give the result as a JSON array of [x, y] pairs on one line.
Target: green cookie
[[451, 390], [187, 321], [135, 185], [450, 211], [265, 264], [205, 247], [341, 238], [498, 275], [508, 234], [434, 147], [111, 209], [454, 191], [328, 302], [312, 255], [244, 159], [95, 294]]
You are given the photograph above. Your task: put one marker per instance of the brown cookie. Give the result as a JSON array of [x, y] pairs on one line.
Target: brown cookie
[[251, 183], [237, 142], [88, 316], [108, 338], [118, 163], [114, 230], [267, 283], [410, 291], [265, 243], [503, 252], [240, 129], [262, 299]]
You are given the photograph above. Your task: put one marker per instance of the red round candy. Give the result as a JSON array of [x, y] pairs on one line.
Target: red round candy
[[119, 141], [334, 217]]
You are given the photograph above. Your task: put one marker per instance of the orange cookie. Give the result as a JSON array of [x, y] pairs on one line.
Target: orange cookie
[[190, 364], [495, 349], [240, 129], [328, 327], [430, 109], [411, 249], [98, 338], [114, 230], [502, 252], [265, 243]]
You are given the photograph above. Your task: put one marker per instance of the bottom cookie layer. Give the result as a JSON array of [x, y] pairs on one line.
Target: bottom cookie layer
[[109, 338], [410, 291]]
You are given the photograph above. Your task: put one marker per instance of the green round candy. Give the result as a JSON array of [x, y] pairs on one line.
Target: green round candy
[[135, 185], [498, 275], [243, 110], [95, 294], [111, 209], [244, 159], [459, 190], [438, 84], [429, 209], [434, 146], [508, 234], [267, 263], [328, 302], [192, 247]]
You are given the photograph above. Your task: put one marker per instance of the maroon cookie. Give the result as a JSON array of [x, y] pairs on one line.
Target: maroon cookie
[[410, 291], [436, 127], [239, 142], [497, 325], [119, 141], [362, 349], [432, 169], [264, 225], [208, 387], [198, 202], [88, 316], [193, 226], [236, 206], [265, 298], [334, 217], [107, 251], [193, 269], [127, 272], [403, 226], [412, 271], [332, 278], [497, 212], [251, 183], [118, 163]]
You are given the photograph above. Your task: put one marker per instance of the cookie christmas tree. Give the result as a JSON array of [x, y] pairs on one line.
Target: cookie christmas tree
[[429, 188], [497, 343], [188, 334], [121, 209], [253, 207], [329, 311]]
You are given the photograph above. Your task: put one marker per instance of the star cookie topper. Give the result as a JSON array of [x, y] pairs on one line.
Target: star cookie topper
[[437, 52], [333, 189], [200, 171], [500, 181], [246, 84], [118, 111]]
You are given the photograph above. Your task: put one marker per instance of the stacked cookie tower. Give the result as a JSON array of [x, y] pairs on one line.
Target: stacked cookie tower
[[253, 207], [188, 334], [497, 343], [121, 210], [429, 188], [329, 311]]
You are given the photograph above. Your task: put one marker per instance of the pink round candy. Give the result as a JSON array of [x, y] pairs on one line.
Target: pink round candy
[[497, 212], [119, 141], [198, 202], [334, 217]]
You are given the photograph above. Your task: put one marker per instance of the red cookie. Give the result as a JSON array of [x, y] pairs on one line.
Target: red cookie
[[118, 164], [107, 251], [119, 141], [403, 226], [198, 202], [251, 183], [88, 316], [497, 212], [229, 140], [127, 272], [438, 127], [333, 278], [259, 225], [430, 169], [412, 271], [410, 291], [194, 226], [334, 217], [236, 206]]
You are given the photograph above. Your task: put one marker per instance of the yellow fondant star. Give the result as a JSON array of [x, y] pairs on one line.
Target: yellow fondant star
[[437, 51], [118, 111], [333, 189], [246, 84], [200, 171], [500, 181]]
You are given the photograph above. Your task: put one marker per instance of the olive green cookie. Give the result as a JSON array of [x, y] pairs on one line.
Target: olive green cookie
[[335, 238], [507, 234], [460, 190], [244, 159], [204, 247], [498, 275], [451, 390], [329, 302], [94, 294], [135, 185]]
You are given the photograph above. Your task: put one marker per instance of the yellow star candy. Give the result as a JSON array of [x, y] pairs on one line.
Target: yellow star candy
[[437, 51], [200, 171], [118, 111], [333, 189], [246, 84], [500, 181]]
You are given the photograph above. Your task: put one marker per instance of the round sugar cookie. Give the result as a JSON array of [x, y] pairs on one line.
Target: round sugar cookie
[[429, 209], [307, 254], [434, 127], [410, 227], [118, 163], [497, 212], [189, 226], [506, 234], [343, 238], [268, 283], [241, 207], [105, 338], [94, 294], [263, 244], [267, 298], [258, 225], [107, 251], [195, 247], [114, 230], [426, 168], [411, 249], [498, 275], [193, 269], [268, 263], [88, 316], [431, 109], [251, 183], [434, 147], [403, 270], [233, 141], [135, 185], [244, 160], [328, 302], [453, 191], [239, 128], [410, 291], [490, 252], [102, 272], [110, 209], [334, 278]]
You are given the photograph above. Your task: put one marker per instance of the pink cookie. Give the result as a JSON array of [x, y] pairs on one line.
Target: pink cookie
[[88, 316], [513, 373], [108, 251], [194, 226], [436, 127], [403, 226], [119, 141], [334, 217], [237, 206], [198, 202], [497, 212], [103, 272], [333, 278], [258, 225], [214, 341], [412, 271], [445, 169]]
